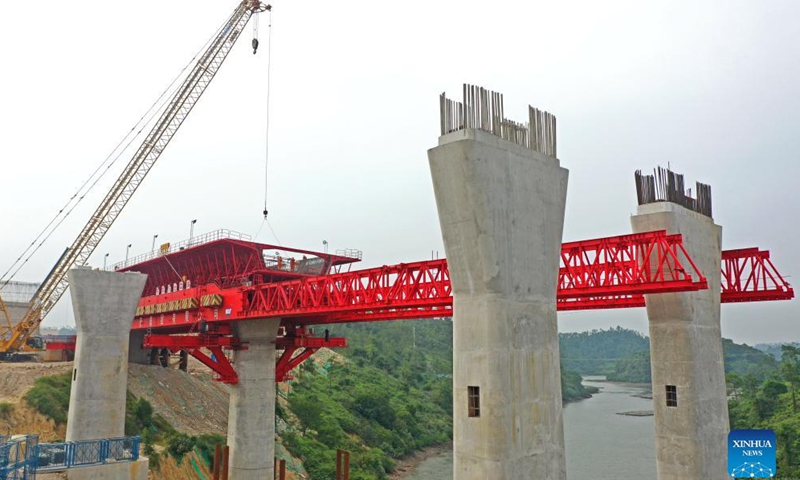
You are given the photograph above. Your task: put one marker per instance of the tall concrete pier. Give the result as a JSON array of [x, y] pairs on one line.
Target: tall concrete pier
[[104, 305], [500, 193], [251, 414], [689, 393]]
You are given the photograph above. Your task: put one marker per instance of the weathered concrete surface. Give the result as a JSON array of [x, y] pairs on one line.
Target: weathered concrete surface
[[112, 471], [686, 351], [251, 414], [104, 304], [137, 354], [16, 311], [501, 209]]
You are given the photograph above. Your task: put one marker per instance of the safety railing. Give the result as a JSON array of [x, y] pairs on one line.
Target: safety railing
[[168, 248], [18, 457], [350, 253], [61, 456]]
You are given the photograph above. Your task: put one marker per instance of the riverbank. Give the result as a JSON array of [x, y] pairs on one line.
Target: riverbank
[[406, 467], [588, 426]]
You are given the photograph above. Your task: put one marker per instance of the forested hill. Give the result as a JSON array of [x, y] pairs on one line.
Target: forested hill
[[624, 355], [739, 359], [596, 352], [420, 354], [774, 349]]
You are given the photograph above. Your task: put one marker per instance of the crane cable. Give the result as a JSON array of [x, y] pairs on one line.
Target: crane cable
[[143, 121], [265, 212]]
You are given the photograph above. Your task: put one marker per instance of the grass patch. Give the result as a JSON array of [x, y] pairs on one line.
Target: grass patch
[[50, 396], [6, 409]]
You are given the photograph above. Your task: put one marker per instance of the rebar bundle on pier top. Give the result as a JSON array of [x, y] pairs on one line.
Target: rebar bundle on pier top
[[482, 109], [667, 186]]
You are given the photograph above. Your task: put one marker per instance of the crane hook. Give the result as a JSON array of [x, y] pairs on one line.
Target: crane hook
[[255, 45]]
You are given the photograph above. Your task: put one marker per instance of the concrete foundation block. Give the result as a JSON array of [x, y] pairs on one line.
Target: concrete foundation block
[[112, 471]]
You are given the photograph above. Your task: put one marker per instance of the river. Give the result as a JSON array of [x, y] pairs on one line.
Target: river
[[601, 445]]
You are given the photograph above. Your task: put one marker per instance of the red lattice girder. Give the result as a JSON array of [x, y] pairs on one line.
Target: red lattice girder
[[748, 275], [651, 262]]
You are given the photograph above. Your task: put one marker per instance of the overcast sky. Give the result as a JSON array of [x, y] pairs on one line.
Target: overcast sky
[[710, 87]]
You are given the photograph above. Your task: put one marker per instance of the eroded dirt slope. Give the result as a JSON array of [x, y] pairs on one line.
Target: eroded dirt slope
[[191, 402]]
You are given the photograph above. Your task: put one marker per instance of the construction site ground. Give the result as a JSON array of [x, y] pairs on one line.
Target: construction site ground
[[192, 402]]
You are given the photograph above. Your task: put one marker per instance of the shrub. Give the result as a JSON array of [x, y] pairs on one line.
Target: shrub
[[50, 396], [6, 409], [180, 444]]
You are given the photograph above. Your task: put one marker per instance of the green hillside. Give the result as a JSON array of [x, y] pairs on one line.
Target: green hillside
[[739, 359], [596, 352], [772, 404]]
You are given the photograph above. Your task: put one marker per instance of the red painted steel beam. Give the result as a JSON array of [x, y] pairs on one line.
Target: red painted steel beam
[[749, 275], [651, 262], [297, 347], [610, 267], [193, 345], [612, 272]]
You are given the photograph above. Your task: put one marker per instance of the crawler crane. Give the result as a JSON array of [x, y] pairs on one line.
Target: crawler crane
[[14, 340]]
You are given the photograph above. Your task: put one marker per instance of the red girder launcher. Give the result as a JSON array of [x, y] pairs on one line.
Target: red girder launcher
[[194, 293]]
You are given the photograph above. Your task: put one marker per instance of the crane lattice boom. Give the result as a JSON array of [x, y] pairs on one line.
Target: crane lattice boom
[[143, 160]]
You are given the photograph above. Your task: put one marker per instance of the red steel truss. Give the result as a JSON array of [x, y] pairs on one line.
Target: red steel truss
[[297, 344], [748, 275], [614, 272], [624, 265], [627, 264]]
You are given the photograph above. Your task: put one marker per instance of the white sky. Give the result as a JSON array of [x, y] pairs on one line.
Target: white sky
[[710, 87]]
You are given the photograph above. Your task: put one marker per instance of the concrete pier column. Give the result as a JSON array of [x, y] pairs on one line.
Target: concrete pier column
[[251, 414], [501, 210], [689, 395], [104, 304]]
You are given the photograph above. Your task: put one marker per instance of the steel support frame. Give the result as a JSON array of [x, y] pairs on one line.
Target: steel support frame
[[193, 345], [297, 345]]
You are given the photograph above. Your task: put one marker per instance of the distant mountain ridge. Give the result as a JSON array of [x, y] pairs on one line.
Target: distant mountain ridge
[[624, 355], [774, 349]]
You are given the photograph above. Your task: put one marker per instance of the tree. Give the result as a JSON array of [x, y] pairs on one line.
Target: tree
[[308, 410], [735, 380], [374, 405], [143, 412], [790, 369], [750, 384]]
